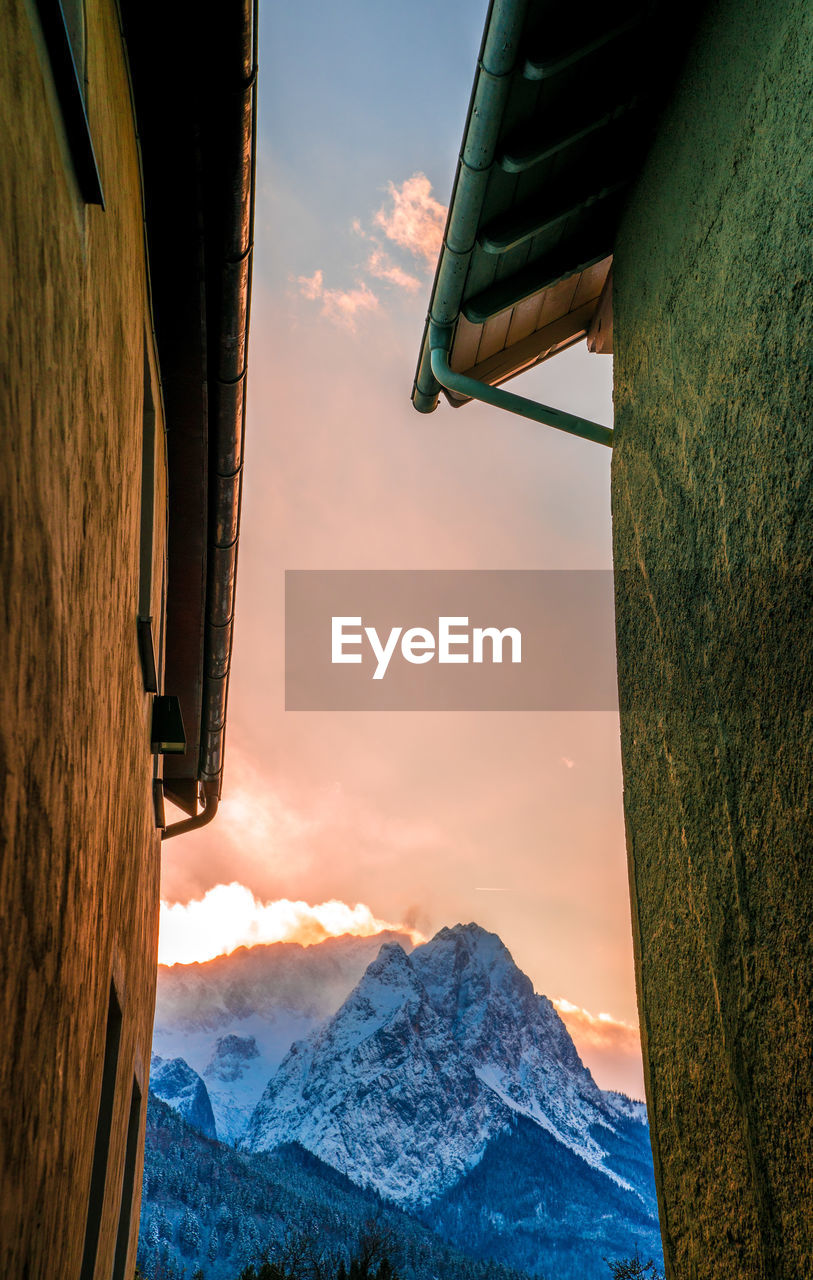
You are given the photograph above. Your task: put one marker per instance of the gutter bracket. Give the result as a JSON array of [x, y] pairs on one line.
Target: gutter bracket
[[440, 342]]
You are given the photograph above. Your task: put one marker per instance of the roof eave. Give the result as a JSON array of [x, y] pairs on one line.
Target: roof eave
[[196, 118]]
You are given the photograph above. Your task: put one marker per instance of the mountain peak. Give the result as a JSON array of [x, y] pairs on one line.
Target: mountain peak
[[175, 1082], [431, 1056], [390, 956], [476, 940], [472, 929], [389, 977], [231, 1057], [387, 989], [465, 969]]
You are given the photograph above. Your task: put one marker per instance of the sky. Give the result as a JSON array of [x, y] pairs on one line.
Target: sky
[[358, 820]]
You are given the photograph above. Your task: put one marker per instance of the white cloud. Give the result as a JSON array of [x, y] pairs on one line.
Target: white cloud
[[230, 916]]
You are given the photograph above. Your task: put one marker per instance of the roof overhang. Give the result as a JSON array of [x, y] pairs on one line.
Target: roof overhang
[[561, 112], [194, 87]]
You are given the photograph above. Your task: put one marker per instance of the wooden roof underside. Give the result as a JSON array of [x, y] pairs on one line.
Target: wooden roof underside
[[571, 130]]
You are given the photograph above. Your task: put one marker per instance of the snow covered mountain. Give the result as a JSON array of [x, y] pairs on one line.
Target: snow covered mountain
[[448, 1086], [181, 1088], [207, 1209], [440, 1080], [431, 1058], [235, 1076], [264, 997]]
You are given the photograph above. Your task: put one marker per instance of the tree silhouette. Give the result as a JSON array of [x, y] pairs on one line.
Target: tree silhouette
[[633, 1268]]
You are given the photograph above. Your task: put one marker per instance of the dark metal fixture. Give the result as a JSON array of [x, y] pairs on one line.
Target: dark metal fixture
[[167, 737]]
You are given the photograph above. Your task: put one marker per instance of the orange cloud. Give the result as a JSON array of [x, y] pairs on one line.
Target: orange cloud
[[229, 916], [414, 219], [380, 265], [609, 1047], [339, 305], [311, 286], [342, 306]]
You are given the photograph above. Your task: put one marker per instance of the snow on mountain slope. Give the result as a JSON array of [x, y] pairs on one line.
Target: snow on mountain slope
[[431, 1057], [235, 1076], [181, 1088], [265, 980], [270, 995]]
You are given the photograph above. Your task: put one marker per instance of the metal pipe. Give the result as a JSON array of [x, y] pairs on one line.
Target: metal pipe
[[210, 800], [462, 385]]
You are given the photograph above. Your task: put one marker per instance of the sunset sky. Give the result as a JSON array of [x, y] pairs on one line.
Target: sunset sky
[[513, 820]]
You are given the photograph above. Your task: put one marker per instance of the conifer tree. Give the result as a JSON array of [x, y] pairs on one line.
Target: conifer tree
[[189, 1234], [633, 1268]]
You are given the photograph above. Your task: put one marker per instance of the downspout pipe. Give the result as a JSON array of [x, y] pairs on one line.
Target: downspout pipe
[[440, 340], [211, 801]]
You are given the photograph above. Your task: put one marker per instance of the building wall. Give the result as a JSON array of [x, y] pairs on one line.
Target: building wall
[[713, 529], [79, 871]]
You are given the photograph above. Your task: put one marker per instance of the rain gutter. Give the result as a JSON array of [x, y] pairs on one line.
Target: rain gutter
[[227, 387], [498, 58]]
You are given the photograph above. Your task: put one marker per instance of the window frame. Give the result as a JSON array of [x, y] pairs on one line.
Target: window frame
[[70, 93]]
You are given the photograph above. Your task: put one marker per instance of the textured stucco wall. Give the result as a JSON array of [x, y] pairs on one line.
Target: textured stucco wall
[[79, 863], [713, 530]]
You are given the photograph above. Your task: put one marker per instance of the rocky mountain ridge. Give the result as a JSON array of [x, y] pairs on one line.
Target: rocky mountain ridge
[[265, 997], [432, 1056], [443, 1084], [180, 1087]]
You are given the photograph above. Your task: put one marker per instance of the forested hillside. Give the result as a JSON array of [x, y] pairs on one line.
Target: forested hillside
[[211, 1211]]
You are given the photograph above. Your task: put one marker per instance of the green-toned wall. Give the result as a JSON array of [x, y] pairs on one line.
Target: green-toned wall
[[79, 854], [713, 528]]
